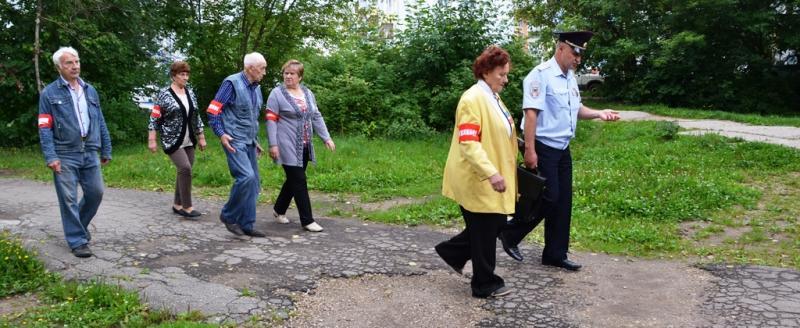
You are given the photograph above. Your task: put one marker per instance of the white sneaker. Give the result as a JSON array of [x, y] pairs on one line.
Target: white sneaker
[[280, 218], [313, 227]]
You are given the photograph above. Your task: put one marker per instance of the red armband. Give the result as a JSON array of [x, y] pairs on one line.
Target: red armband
[[271, 116], [214, 108], [469, 132], [155, 112], [45, 121]]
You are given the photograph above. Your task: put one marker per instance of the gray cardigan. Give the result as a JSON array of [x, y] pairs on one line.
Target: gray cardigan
[[285, 125]]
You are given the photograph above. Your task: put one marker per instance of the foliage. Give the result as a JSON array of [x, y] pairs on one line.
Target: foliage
[[408, 86], [667, 130], [115, 58], [215, 35], [710, 54]]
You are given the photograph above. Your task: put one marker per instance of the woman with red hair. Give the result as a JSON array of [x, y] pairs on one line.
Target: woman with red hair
[[480, 173]]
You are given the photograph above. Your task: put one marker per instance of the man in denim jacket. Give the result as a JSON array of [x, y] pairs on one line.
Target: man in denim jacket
[[71, 131]]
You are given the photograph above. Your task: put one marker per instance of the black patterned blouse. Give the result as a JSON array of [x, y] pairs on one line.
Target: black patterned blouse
[[170, 120]]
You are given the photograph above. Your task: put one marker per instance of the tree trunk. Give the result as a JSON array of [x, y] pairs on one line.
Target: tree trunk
[[36, 46]]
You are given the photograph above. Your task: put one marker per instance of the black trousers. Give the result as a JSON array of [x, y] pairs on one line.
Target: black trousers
[[296, 186], [556, 208], [477, 243]]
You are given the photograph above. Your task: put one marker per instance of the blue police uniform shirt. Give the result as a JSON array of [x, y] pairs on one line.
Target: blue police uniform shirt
[[556, 97]]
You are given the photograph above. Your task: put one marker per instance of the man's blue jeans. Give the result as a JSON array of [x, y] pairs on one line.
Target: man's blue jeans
[[241, 205], [84, 169]]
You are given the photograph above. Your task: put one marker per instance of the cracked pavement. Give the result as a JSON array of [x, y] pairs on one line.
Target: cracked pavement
[[183, 265]]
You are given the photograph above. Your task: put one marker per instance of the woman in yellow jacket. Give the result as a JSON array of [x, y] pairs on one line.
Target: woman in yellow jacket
[[480, 174]]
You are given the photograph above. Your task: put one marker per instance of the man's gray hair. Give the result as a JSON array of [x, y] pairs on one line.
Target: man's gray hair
[[253, 58], [60, 52]]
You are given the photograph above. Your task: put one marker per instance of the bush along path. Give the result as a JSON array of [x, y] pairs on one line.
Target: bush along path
[[359, 274]]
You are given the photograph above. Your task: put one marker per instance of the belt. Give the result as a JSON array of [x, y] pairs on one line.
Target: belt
[[83, 139]]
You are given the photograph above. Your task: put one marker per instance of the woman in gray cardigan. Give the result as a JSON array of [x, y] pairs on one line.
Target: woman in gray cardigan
[[292, 119]]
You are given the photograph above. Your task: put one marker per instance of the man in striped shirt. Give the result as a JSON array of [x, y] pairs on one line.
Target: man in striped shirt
[[233, 115]]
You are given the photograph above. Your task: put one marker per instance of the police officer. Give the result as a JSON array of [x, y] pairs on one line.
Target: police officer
[[552, 105]]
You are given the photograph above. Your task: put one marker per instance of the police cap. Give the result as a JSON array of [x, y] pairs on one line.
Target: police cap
[[576, 39]]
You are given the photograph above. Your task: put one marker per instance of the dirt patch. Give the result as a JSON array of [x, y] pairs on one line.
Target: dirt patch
[[622, 292], [17, 304], [324, 202], [436, 299]]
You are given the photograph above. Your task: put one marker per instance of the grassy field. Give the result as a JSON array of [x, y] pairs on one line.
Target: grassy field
[[372, 169]]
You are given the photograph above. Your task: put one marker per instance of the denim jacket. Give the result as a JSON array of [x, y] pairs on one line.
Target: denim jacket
[[59, 130]]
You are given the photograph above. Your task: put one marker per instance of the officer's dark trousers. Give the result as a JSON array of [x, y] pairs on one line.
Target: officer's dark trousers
[[477, 243], [556, 208], [296, 186]]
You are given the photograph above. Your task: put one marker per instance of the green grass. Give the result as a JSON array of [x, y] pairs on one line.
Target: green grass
[[373, 169], [73, 304], [755, 119], [633, 188]]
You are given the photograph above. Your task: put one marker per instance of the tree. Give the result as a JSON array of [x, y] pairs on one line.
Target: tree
[[716, 54], [115, 40], [215, 35]]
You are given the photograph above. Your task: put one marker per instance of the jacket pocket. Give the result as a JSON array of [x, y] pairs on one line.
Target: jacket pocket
[[59, 107]]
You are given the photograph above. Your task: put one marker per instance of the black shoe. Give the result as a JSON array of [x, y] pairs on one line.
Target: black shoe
[[565, 263], [254, 233], [82, 251], [234, 229], [176, 211], [192, 214], [512, 251]]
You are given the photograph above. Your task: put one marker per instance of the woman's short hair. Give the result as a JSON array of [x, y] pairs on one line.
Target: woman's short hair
[[60, 52], [177, 67], [294, 62], [490, 58]]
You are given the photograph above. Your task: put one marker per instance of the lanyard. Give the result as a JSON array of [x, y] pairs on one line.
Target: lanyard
[[507, 116]]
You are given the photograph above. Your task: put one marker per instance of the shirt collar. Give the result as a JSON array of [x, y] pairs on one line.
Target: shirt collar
[[557, 69], [247, 82], [65, 83], [485, 87]]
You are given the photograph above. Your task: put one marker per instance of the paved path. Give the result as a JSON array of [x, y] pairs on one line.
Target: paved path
[[781, 135], [181, 265]]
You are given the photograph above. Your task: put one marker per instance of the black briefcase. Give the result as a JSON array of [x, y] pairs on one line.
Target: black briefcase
[[531, 189], [531, 184]]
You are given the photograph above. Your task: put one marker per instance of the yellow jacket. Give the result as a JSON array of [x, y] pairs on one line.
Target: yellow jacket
[[480, 148]]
